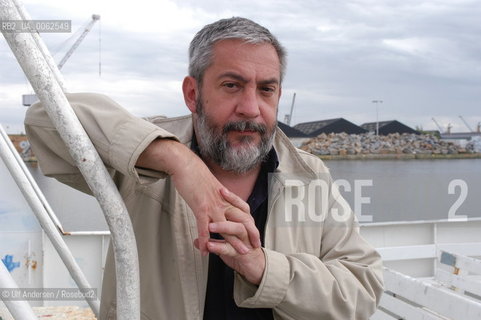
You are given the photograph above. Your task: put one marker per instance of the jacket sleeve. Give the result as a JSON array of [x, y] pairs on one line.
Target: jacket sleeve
[[343, 282], [118, 136]]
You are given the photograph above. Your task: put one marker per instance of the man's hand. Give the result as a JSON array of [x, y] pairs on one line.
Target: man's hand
[[251, 262], [201, 190]]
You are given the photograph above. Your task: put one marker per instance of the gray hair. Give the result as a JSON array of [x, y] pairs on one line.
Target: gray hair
[[202, 46]]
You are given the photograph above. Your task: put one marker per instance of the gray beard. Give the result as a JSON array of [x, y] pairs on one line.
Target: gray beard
[[215, 146]]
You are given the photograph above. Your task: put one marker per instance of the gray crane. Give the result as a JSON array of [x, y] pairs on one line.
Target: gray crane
[[467, 125], [29, 99]]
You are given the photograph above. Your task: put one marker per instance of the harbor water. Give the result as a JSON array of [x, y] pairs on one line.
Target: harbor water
[[377, 190]]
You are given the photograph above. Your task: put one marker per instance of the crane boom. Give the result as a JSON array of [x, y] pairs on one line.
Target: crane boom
[[437, 125], [95, 17], [467, 125], [29, 99]]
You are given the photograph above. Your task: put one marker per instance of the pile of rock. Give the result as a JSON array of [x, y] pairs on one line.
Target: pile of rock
[[474, 144], [359, 144]]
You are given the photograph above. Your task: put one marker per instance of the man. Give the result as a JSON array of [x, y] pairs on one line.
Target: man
[[201, 181]]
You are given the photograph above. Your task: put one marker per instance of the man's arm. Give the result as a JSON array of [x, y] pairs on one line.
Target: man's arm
[[125, 142], [343, 281], [200, 189]]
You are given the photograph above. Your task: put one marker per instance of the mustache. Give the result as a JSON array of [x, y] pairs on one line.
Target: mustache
[[245, 125]]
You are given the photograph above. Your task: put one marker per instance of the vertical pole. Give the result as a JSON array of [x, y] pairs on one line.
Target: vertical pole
[[18, 309], [377, 115], [87, 160], [292, 109], [7, 154]]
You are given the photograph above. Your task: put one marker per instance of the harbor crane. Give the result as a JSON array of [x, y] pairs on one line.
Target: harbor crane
[[448, 128], [95, 18], [437, 125], [467, 125], [288, 117], [29, 99]]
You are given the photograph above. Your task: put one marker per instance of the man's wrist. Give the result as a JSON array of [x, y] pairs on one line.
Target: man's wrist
[[258, 266]]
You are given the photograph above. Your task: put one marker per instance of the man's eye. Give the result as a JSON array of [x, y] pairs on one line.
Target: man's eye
[[268, 90], [230, 85]]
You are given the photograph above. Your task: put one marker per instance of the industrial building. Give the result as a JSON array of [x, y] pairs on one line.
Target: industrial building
[[338, 125], [388, 127]]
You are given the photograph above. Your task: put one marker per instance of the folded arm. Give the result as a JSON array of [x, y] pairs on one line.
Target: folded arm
[[135, 148]]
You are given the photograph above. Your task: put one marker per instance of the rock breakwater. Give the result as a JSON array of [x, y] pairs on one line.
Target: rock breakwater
[[343, 144]]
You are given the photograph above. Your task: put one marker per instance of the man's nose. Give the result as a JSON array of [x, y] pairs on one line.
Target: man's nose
[[248, 105]]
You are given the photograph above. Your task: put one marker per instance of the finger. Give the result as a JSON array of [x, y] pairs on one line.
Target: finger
[[249, 224], [221, 248], [203, 234], [234, 233], [230, 228], [233, 199]]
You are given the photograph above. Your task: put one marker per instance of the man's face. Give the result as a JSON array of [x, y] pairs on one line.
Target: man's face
[[236, 108]]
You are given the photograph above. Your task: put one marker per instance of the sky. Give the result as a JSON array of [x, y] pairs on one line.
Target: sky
[[422, 59]]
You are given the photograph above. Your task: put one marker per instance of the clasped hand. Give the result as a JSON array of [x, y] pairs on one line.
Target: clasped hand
[[215, 208]]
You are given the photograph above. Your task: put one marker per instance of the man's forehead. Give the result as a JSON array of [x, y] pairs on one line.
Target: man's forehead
[[232, 52]]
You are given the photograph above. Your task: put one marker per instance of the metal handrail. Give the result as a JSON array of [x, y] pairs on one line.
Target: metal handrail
[[86, 158], [30, 191]]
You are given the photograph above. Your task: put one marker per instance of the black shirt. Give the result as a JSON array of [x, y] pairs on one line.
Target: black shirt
[[219, 301]]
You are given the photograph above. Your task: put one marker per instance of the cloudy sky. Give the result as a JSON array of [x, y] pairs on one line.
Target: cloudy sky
[[421, 58]]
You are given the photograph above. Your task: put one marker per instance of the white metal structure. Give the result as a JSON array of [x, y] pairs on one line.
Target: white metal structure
[[419, 277], [39, 72]]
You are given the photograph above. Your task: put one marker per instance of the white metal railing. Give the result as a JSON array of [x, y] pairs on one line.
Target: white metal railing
[[42, 211], [410, 298], [459, 273], [41, 76]]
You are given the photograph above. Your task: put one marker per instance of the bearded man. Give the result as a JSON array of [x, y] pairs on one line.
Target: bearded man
[[209, 198]]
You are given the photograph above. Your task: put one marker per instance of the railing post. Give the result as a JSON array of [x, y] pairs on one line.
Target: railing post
[[87, 160]]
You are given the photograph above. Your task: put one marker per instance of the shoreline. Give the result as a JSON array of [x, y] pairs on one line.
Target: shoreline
[[411, 156]]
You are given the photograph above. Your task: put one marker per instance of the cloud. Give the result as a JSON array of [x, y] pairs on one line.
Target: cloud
[[420, 58]]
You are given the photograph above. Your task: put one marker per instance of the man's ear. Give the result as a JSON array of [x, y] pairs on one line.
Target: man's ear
[[190, 90]]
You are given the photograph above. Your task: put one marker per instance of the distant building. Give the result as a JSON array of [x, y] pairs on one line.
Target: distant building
[[338, 125], [387, 127], [297, 137]]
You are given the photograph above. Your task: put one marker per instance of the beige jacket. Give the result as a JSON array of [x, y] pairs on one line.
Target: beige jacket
[[315, 268]]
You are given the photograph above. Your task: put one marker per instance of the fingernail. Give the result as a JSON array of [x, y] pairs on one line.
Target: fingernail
[[212, 226]]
